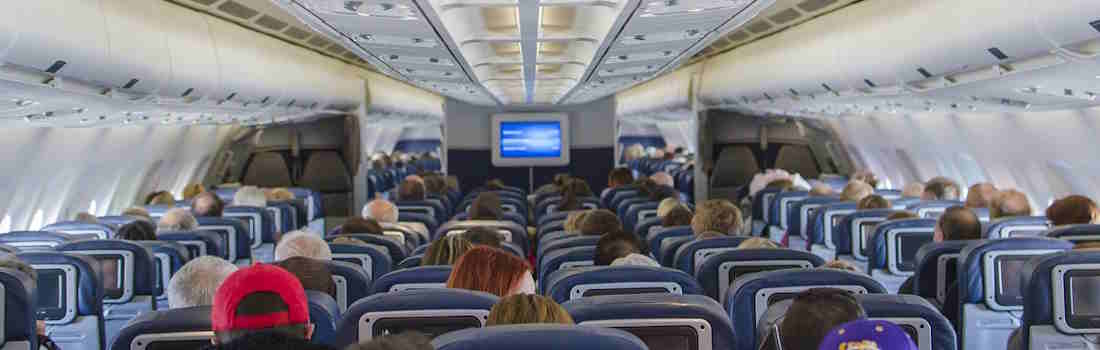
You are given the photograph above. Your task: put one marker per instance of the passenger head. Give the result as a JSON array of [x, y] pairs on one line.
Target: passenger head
[[958, 224], [196, 282], [138, 212], [12, 262], [716, 215], [941, 188], [313, 274], [867, 177], [980, 195], [841, 265], [402, 341], [784, 184], [177, 219], [486, 206], [873, 202], [494, 185], [680, 215], [192, 190], [137, 230], [261, 299], [662, 179], [600, 221], [481, 235], [573, 220], [616, 245], [446, 250], [758, 243], [902, 214], [1008, 203], [572, 192], [279, 194], [1075, 209], [250, 196], [302, 243], [160, 198], [348, 240], [86, 218], [619, 177], [207, 204], [527, 309], [913, 190], [814, 313], [665, 205], [381, 210], [492, 271], [821, 190], [867, 334], [411, 190], [357, 224], [856, 190], [435, 185], [635, 259]]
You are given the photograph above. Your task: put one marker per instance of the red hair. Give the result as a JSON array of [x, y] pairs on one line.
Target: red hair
[[488, 270]]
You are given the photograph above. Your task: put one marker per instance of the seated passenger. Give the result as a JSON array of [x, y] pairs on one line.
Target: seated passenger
[[873, 202], [680, 215], [483, 236], [571, 193], [139, 213], [138, 230], [197, 281], [250, 196], [662, 179], [279, 194], [1009, 203], [913, 190], [86, 218], [758, 243], [192, 190], [411, 190], [599, 222], [856, 190], [1071, 210], [160, 198], [958, 224], [302, 243], [821, 190], [177, 219], [841, 265], [812, 315], [434, 184], [11, 261], [402, 341], [868, 334], [635, 151], [207, 204], [357, 224], [446, 250], [554, 186], [718, 216], [382, 211], [492, 271], [486, 206], [313, 274], [527, 309], [573, 220], [494, 185], [980, 195], [619, 177], [261, 307], [665, 205], [615, 245], [941, 189]]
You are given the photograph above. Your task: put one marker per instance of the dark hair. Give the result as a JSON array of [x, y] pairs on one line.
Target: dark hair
[[571, 194], [873, 201], [201, 209], [1075, 209], [616, 245], [262, 303], [942, 188], [481, 235], [356, 224], [486, 206], [402, 341], [599, 222], [959, 223], [137, 230], [411, 190], [620, 177], [814, 313], [679, 215], [313, 274], [435, 184]]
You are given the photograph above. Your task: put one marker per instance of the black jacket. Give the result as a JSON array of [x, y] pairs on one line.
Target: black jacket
[[268, 341]]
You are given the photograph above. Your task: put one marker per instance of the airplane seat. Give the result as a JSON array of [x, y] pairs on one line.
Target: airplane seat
[[19, 332], [129, 279], [423, 277], [557, 216], [624, 206], [719, 271], [928, 328], [666, 255], [567, 258], [69, 298], [448, 207], [644, 227], [267, 170], [324, 313], [410, 262], [610, 193], [936, 269], [637, 213], [621, 197], [1076, 233], [689, 256], [395, 249], [576, 283], [664, 235], [509, 231], [326, 172], [283, 215], [412, 238], [1060, 301], [778, 211], [932, 209], [428, 221], [760, 205], [982, 214], [749, 297], [855, 233], [157, 211], [38, 240], [315, 207], [421, 249], [373, 259], [551, 205], [823, 225], [551, 226], [662, 321], [432, 209], [556, 235], [351, 280], [199, 242], [168, 257], [504, 216], [575, 240], [889, 194], [798, 219], [116, 220], [237, 238], [892, 252], [539, 337], [991, 288], [183, 328], [429, 311], [101, 231], [1019, 226], [260, 225]]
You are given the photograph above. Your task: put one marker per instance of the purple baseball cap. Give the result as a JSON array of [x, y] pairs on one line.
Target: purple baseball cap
[[867, 335]]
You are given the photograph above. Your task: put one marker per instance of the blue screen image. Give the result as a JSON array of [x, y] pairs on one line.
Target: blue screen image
[[530, 139]]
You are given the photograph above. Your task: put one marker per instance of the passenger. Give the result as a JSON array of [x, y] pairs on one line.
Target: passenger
[[313, 274], [160, 198], [482, 235], [635, 259], [856, 190], [494, 185], [941, 188], [821, 190], [902, 214], [867, 177], [349, 241], [812, 315], [262, 307], [716, 215], [280, 194], [617, 245], [207, 204], [873, 202], [486, 206], [527, 309], [980, 195], [867, 334], [415, 178], [758, 243], [177, 219], [665, 205], [573, 220], [600, 221], [250, 196], [958, 224], [1071, 210], [663, 179], [138, 230], [197, 281], [403, 341], [492, 271], [619, 177], [302, 243], [138, 212], [555, 186], [435, 185], [192, 190], [913, 190], [381, 210], [360, 225], [411, 190], [12, 262], [841, 265], [635, 151], [86, 218], [1009, 203], [572, 193], [446, 251], [680, 215]]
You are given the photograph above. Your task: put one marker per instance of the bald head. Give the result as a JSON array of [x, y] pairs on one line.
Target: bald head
[[1009, 203], [177, 219], [958, 224], [980, 195], [662, 178], [381, 210]]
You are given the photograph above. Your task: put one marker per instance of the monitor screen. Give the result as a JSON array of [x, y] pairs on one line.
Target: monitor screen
[[624, 291], [530, 139], [907, 246], [949, 274], [836, 219], [738, 271], [1082, 299], [1009, 287], [867, 231], [50, 292], [666, 338], [912, 332], [111, 271], [432, 327], [195, 249]]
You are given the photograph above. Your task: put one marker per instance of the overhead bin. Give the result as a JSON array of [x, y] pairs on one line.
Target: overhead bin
[[397, 101], [668, 94], [194, 65]]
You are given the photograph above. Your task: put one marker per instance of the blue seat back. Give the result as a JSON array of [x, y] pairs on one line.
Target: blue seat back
[[102, 231], [19, 310], [569, 284], [134, 274], [432, 209], [78, 323], [689, 256], [429, 221], [539, 337], [638, 212], [199, 243], [904, 236], [260, 223], [780, 206], [284, 216], [567, 258], [800, 212], [1019, 226], [856, 230], [515, 234], [650, 313], [117, 220], [761, 203], [932, 209], [323, 314], [373, 259], [643, 227], [928, 275], [314, 208], [429, 311], [561, 215], [410, 262], [424, 277], [718, 272], [1076, 233], [1049, 297], [924, 323], [174, 328], [37, 240], [568, 242], [395, 249], [351, 280], [238, 241], [658, 238], [826, 221], [168, 257], [608, 196]]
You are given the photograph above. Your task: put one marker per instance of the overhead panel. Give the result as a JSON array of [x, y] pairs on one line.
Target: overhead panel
[[667, 98]]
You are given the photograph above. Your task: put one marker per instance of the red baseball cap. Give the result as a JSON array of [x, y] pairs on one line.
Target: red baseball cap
[[257, 279]]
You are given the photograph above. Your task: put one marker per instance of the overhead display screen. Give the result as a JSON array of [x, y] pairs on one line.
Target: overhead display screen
[[533, 139]]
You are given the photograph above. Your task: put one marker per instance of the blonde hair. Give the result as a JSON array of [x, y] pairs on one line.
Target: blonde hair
[[840, 265], [758, 243], [573, 221], [856, 190], [525, 309], [717, 215], [446, 251], [666, 206], [279, 194], [192, 190]]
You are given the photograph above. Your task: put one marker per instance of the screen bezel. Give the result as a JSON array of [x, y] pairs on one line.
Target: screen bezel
[[69, 293], [125, 271], [990, 267], [494, 145], [1063, 320], [893, 248], [367, 321], [701, 327]]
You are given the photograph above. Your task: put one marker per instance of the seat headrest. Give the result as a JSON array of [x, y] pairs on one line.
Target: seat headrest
[[538, 337], [554, 259], [416, 275], [216, 244], [560, 284], [1073, 233], [881, 306], [239, 231], [396, 250], [877, 252], [920, 207], [758, 202], [103, 231], [266, 224], [924, 278], [429, 221], [89, 291], [191, 319], [145, 273], [410, 300], [569, 242], [708, 271], [821, 223], [1031, 225], [117, 220], [656, 306], [19, 307], [381, 262], [1039, 288], [842, 238], [971, 261], [774, 208], [685, 255], [324, 312], [16, 238]]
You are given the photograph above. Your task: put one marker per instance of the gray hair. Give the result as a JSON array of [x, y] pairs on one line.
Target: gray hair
[[250, 196], [381, 210], [177, 219], [196, 282], [302, 243], [11, 261]]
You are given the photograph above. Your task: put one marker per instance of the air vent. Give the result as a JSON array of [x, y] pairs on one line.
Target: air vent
[[737, 36], [318, 41], [56, 67], [869, 82], [350, 56], [785, 16], [205, 2], [336, 50], [759, 27], [237, 10], [924, 72], [815, 5], [1000, 55], [296, 33], [271, 23], [187, 92], [1095, 25], [130, 83]]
